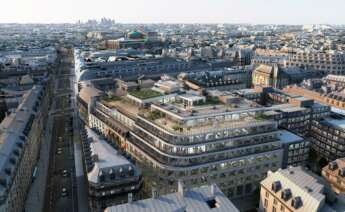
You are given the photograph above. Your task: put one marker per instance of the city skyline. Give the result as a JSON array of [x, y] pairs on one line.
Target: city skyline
[[156, 105], [155, 11]]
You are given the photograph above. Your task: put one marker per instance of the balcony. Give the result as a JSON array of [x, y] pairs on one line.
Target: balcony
[[188, 161], [206, 147], [204, 134], [112, 123]]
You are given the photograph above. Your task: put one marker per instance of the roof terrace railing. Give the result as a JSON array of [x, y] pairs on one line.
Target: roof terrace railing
[[202, 130]]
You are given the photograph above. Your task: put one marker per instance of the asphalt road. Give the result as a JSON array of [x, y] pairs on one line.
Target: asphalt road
[[61, 194]]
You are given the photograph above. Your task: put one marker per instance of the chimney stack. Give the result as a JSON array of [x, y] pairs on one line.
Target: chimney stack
[[154, 192], [130, 197], [213, 189], [180, 187]]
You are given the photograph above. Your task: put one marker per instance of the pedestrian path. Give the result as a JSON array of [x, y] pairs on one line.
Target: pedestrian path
[[35, 198]]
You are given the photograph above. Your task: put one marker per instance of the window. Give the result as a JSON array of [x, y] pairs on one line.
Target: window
[[267, 194], [282, 208], [275, 201], [212, 203], [266, 203], [274, 209]]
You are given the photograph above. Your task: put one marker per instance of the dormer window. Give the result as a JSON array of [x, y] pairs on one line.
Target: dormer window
[[16, 152], [121, 173], [342, 172], [112, 174], [333, 165], [296, 202], [286, 194], [12, 161], [8, 171], [101, 176], [3, 182], [276, 186], [130, 171], [20, 145]]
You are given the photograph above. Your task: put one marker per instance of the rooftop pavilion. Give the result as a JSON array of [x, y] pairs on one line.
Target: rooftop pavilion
[[203, 115], [189, 106]]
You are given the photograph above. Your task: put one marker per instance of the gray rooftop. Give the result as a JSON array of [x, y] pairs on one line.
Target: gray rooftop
[[14, 130], [337, 123], [108, 159], [288, 137], [302, 184], [192, 200]]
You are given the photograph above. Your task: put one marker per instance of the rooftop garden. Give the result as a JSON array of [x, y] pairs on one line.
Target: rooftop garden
[[153, 115], [260, 117], [177, 127], [111, 98], [210, 100], [145, 93]]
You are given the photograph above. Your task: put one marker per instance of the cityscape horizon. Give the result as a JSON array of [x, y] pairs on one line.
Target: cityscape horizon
[[172, 106]]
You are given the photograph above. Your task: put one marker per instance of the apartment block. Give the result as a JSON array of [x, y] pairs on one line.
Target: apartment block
[[327, 137], [334, 173], [295, 189], [21, 135], [195, 142], [110, 175]]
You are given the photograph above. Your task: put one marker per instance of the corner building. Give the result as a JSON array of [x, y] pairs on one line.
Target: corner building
[[227, 145]]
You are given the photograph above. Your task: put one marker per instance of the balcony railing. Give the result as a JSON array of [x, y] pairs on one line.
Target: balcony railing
[[180, 138], [112, 123], [200, 159], [206, 147]]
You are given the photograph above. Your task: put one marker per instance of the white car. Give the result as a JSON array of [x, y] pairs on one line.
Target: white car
[[64, 192], [64, 173]]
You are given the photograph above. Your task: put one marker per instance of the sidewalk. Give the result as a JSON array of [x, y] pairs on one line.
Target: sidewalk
[[35, 198], [82, 187], [83, 201]]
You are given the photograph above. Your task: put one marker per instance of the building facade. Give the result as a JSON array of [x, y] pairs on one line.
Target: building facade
[[21, 135], [134, 66], [332, 63], [110, 174], [327, 138], [334, 173], [178, 145], [294, 189]]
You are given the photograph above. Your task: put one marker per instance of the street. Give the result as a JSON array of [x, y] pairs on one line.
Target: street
[[61, 190]]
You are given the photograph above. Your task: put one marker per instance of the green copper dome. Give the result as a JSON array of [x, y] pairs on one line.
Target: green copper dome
[[136, 35]]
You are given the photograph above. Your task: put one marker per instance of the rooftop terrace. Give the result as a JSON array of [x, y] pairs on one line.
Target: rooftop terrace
[[122, 106], [145, 93], [211, 106]]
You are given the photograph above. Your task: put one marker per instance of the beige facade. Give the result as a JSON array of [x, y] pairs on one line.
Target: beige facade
[[332, 100], [330, 63], [293, 189], [269, 75], [334, 173], [271, 202]]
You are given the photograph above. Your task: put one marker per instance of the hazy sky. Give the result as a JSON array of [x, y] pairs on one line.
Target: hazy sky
[[176, 11]]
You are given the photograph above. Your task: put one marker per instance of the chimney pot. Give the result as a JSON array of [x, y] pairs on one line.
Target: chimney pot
[[130, 197], [180, 187], [154, 192], [213, 189]]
